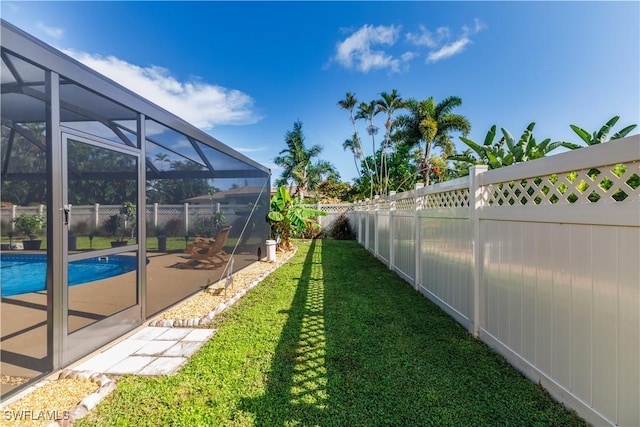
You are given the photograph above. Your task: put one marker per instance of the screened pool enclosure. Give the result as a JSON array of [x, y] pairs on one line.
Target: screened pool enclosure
[[96, 174]]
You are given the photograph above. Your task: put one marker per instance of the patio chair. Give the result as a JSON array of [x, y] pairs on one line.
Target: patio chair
[[211, 257], [199, 244]]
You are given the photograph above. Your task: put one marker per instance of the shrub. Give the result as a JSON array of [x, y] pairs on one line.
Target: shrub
[[114, 226], [80, 228], [288, 218], [29, 225], [341, 229], [174, 227], [208, 225]]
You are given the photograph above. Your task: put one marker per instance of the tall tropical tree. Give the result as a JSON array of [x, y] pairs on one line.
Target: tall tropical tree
[[527, 148], [353, 145], [296, 160], [600, 135], [403, 170], [349, 103], [161, 159], [319, 172], [490, 153], [367, 111], [506, 151], [388, 103], [431, 124]]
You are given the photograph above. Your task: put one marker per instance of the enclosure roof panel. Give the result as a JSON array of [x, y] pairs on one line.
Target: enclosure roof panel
[[25, 46]]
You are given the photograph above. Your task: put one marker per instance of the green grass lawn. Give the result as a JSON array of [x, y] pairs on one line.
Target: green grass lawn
[[333, 338]]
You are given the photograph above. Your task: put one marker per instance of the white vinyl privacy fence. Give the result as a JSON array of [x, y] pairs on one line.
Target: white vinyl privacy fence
[[186, 215], [540, 260]]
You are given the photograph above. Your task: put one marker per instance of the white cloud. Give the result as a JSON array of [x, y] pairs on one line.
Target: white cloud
[[425, 38], [448, 50], [478, 26], [202, 104], [407, 56], [362, 51], [53, 32], [441, 44], [357, 51]]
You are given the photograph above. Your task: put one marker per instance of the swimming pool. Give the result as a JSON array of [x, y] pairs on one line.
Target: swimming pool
[[21, 274]]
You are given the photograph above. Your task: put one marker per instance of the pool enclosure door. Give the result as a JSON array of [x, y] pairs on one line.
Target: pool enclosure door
[[100, 301]]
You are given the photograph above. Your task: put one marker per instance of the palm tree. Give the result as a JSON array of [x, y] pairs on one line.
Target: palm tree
[[367, 111], [349, 103], [162, 158], [353, 145], [432, 124], [389, 103], [320, 171], [295, 159]]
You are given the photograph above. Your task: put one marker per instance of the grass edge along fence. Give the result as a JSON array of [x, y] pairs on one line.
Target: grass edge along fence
[[539, 260]]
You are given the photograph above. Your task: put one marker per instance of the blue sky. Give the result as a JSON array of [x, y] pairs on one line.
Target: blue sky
[[246, 71]]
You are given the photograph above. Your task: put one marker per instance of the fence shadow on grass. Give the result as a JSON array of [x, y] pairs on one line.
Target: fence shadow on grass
[[361, 347], [296, 387]]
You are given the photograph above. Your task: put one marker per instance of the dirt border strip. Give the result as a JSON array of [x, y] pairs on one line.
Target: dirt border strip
[[208, 318]]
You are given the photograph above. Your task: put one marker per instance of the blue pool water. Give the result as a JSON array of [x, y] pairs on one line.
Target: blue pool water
[[20, 274]]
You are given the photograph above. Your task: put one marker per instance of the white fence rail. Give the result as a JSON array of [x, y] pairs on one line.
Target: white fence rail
[[540, 260], [157, 216]]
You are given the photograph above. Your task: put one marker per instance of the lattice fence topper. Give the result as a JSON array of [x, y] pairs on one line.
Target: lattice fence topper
[[334, 208], [83, 210], [383, 204], [448, 199], [613, 183], [166, 210], [205, 209], [407, 204], [107, 210]]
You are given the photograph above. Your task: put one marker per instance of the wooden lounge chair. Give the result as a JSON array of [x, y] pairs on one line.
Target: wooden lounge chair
[[199, 243], [211, 257]]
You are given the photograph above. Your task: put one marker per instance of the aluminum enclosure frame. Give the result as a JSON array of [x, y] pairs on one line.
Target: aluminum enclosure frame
[[58, 69]]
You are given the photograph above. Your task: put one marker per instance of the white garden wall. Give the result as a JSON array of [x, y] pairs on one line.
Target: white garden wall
[[530, 265]]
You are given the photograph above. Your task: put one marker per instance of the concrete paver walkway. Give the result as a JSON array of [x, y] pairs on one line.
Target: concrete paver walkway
[[150, 351]]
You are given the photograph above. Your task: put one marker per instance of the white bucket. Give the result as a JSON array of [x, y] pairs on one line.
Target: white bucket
[[271, 250]]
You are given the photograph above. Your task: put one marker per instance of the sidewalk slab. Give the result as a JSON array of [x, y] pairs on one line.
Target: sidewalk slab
[[150, 351]]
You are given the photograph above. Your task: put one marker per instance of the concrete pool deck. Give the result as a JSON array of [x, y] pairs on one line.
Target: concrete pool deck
[[23, 326]]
